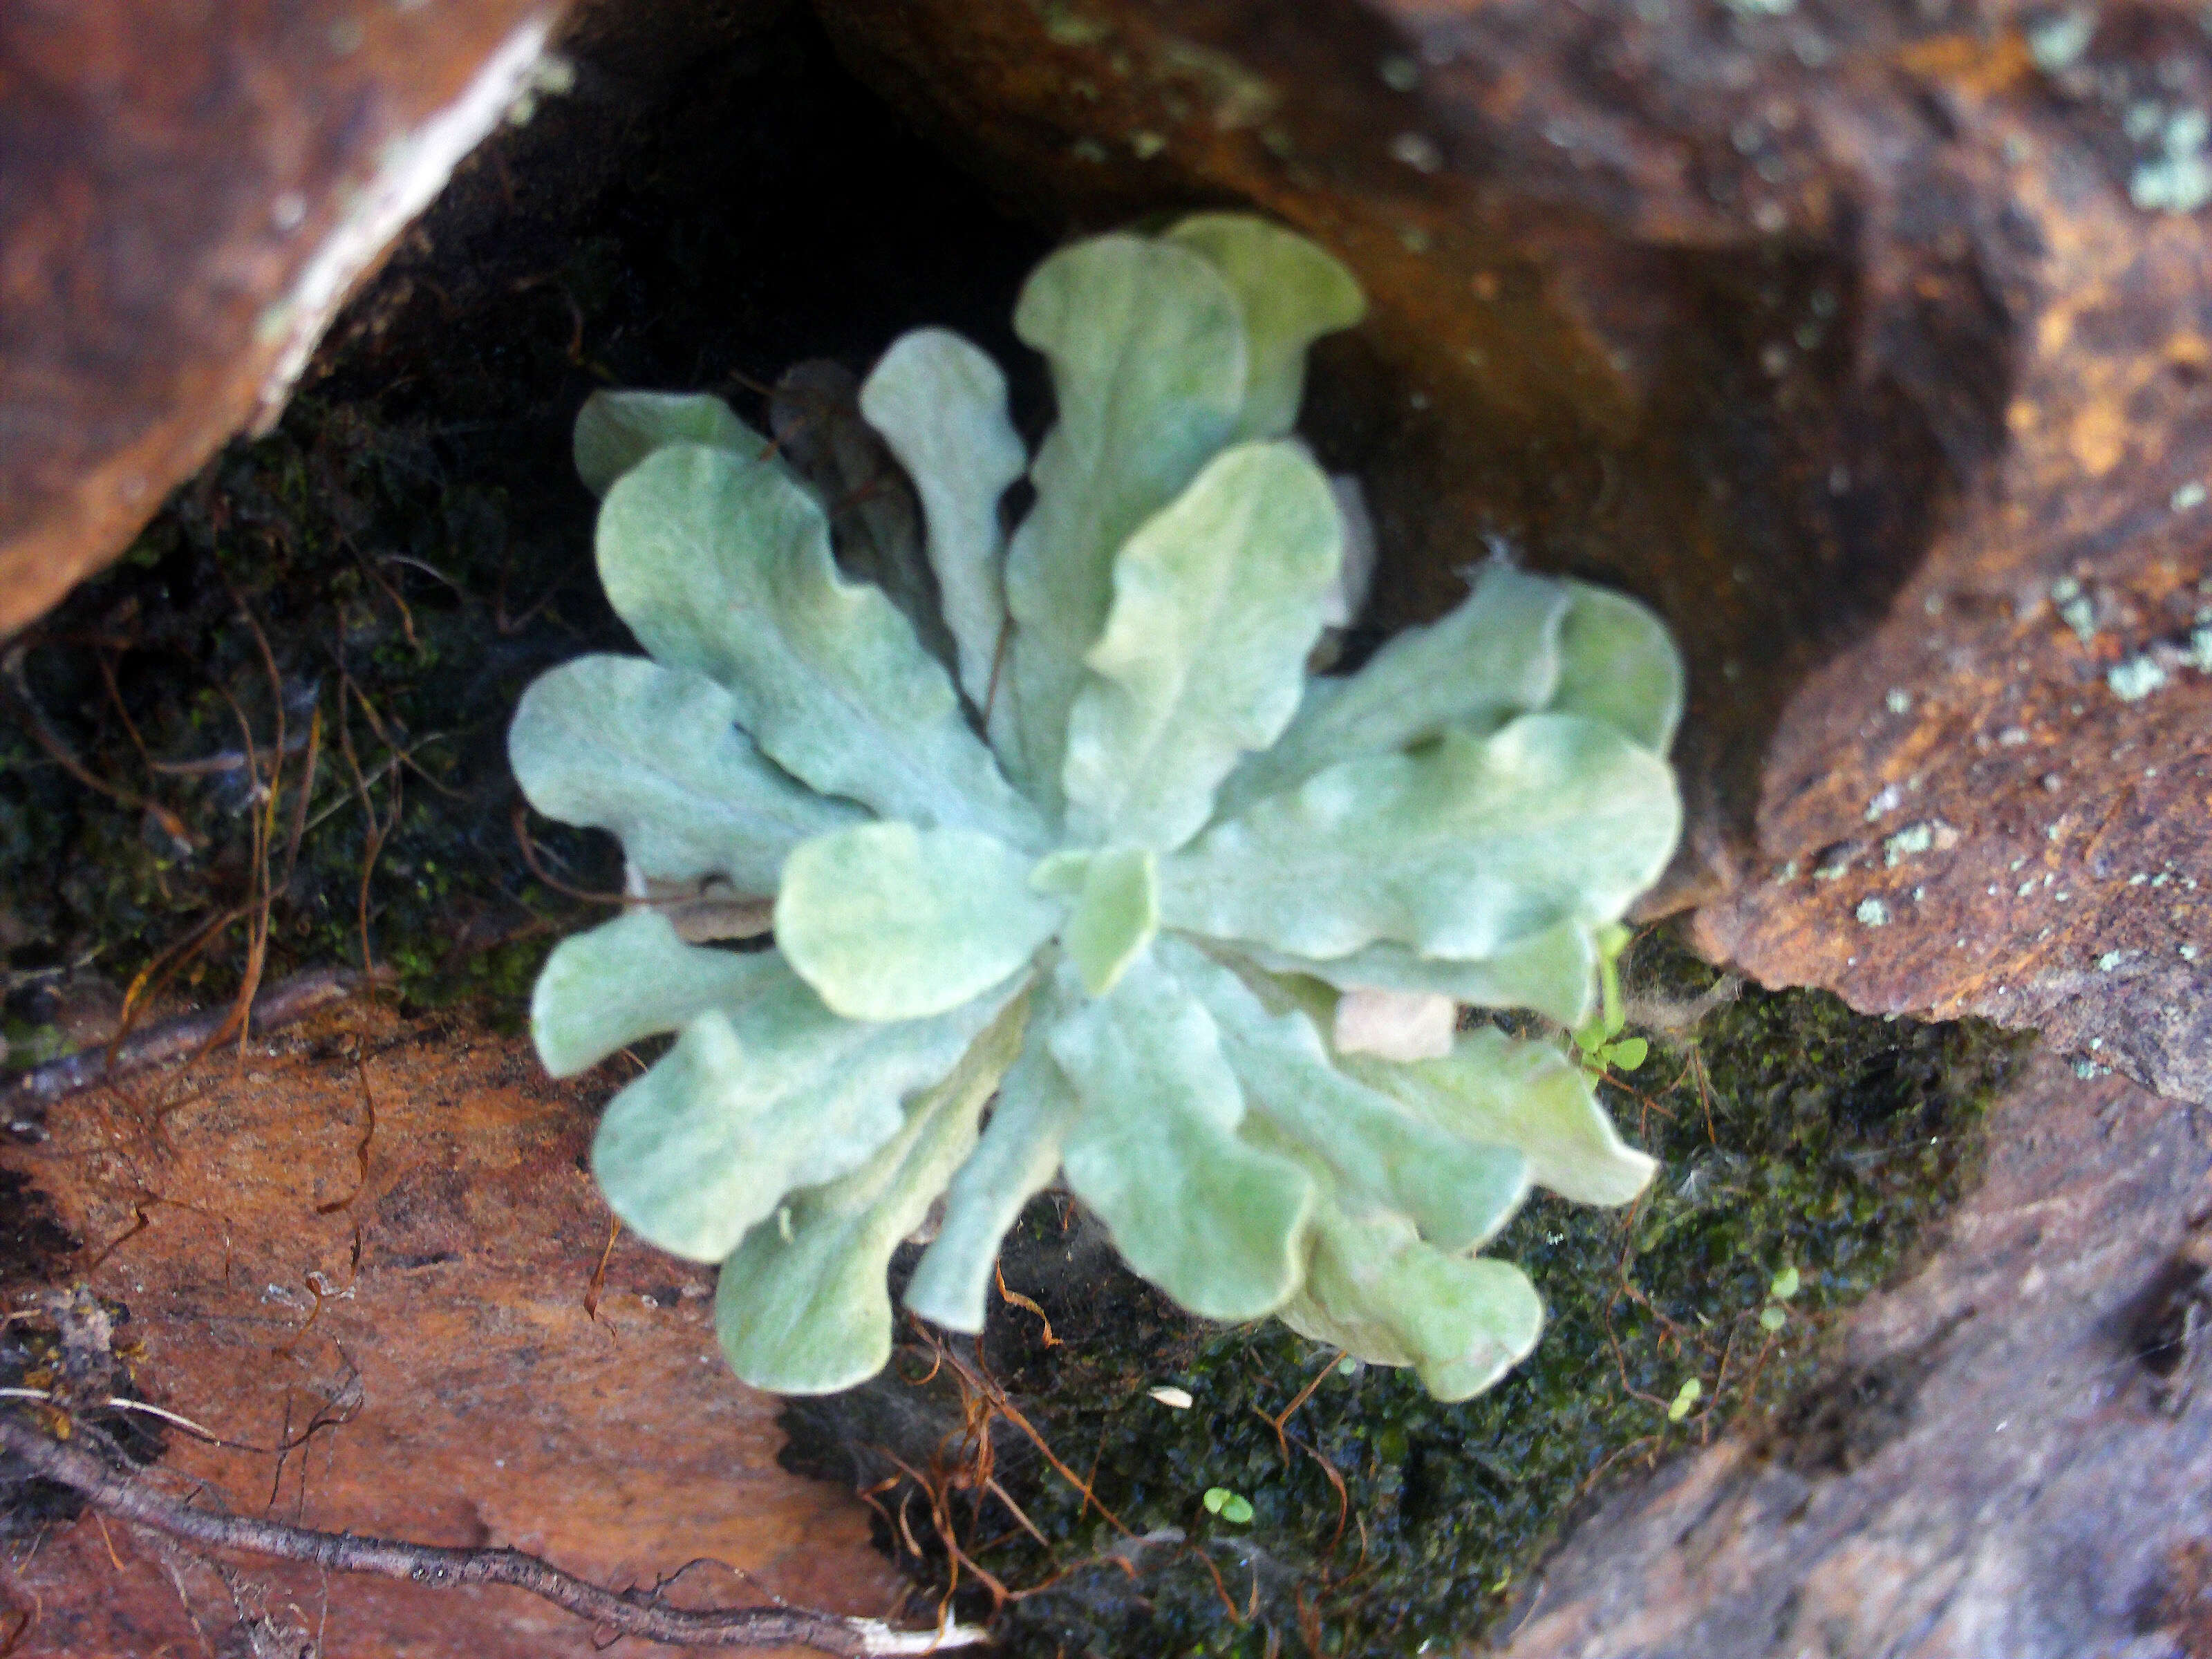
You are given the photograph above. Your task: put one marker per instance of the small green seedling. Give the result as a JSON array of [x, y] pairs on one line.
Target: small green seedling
[[1231, 1508], [1772, 1317], [1069, 856], [1598, 1042]]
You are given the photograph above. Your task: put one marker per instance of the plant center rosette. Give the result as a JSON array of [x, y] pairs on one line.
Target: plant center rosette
[[1071, 855]]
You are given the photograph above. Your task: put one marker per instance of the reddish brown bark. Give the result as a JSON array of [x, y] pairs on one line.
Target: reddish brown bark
[[186, 194], [493, 1387]]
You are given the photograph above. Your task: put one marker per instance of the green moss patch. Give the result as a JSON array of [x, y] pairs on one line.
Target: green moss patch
[[286, 708], [1797, 1137]]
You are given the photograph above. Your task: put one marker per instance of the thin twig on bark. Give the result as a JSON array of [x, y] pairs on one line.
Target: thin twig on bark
[[111, 1491], [24, 1100]]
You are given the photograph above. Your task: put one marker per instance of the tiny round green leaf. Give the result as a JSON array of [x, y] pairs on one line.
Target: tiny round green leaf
[[1685, 1397], [1232, 1507]]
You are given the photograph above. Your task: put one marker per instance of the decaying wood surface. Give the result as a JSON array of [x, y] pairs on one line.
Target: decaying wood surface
[[644, 1615], [374, 1242]]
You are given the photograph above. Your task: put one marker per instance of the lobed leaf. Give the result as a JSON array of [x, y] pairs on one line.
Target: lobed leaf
[[875, 518], [1458, 850], [1554, 973], [802, 1306], [886, 921], [1493, 656], [1291, 293], [1217, 601], [629, 978], [756, 1098], [940, 403], [1523, 1094], [616, 430], [654, 755], [1381, 1155], [1016, 1159], [1618, 664], [1375, 1290], [1217, 1223], [724, 569], [1146, 347]]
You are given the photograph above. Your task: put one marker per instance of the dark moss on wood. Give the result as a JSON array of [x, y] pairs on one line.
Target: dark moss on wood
[[1819, 1139]]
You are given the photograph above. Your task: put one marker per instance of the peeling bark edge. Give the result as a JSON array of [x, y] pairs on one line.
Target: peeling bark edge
[[411, 171]]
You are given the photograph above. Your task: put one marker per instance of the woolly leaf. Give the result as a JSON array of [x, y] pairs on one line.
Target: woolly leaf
[[1215, 1223], [1375, 1290], [1554, 973], [941, 405], [1618, 664], [756, 1098], [886, 921], [653, 754], [724, 569], [875, 518], [629, 979], [1459, 1193], [1457, 849], [1116, 913], [802, 1307], [616, 430], [1522, 1094], [1216, 839], [1291, 293], [1216, 601], [1015, 1160], [1146, 346], [1494, 656]]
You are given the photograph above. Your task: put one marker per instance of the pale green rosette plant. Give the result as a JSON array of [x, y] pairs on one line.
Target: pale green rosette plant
[[1106, 857]]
